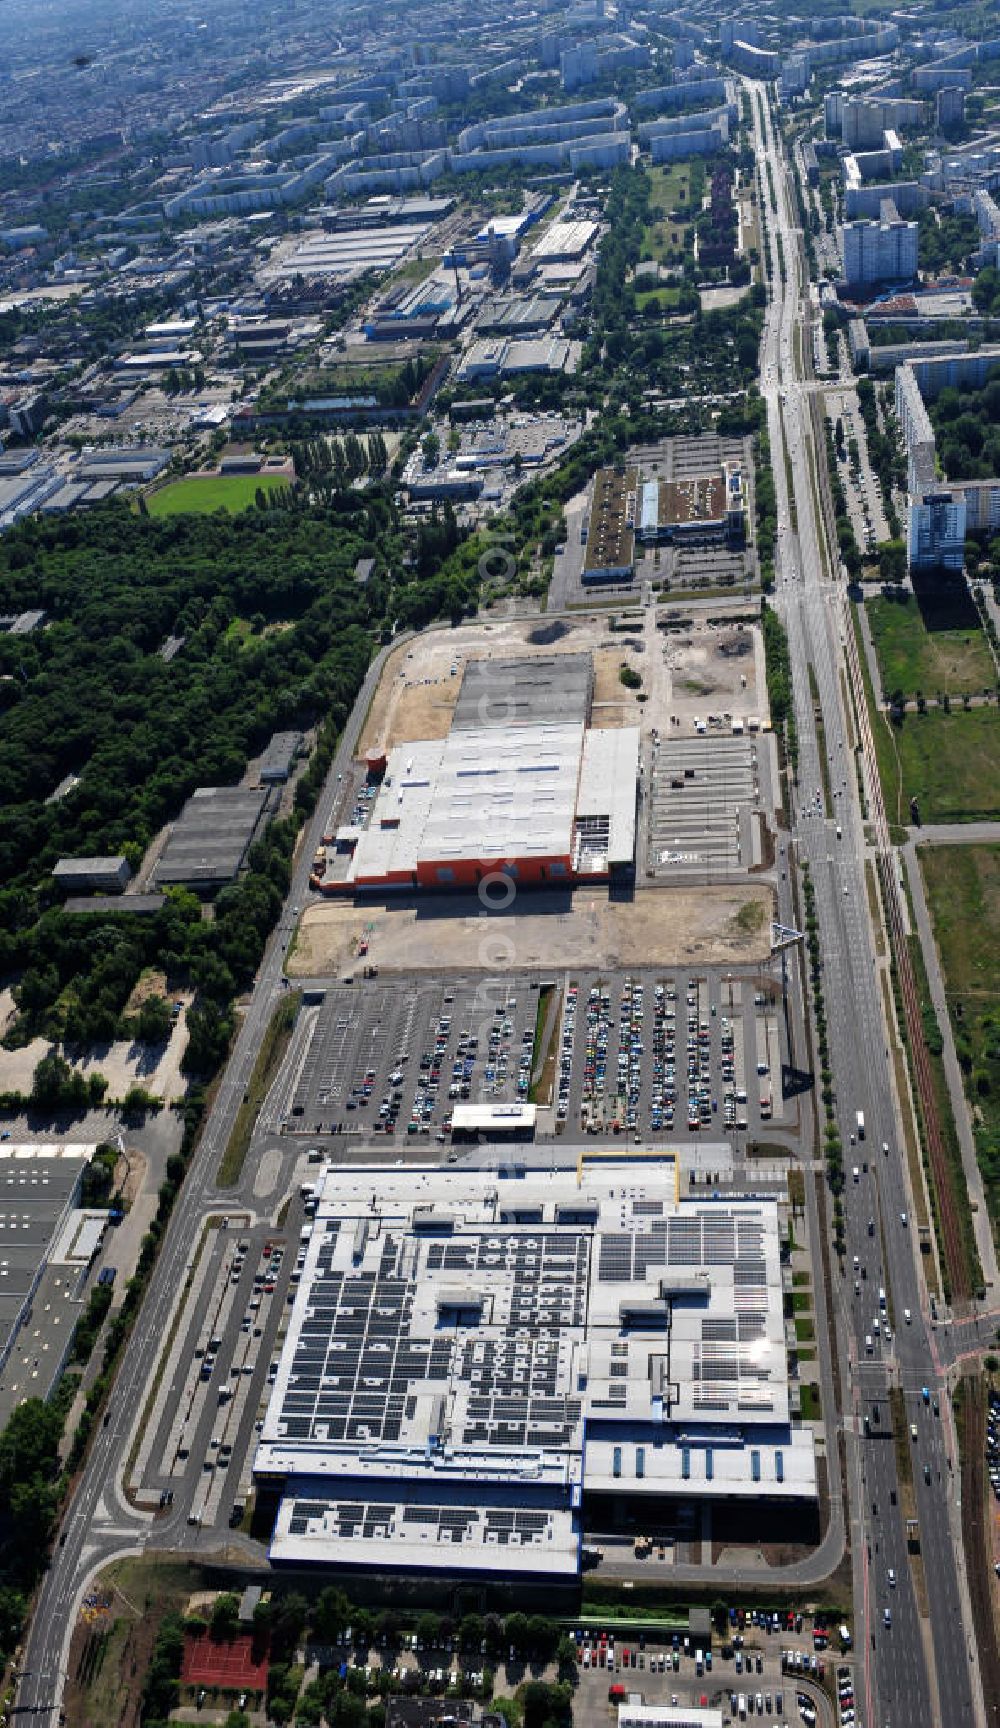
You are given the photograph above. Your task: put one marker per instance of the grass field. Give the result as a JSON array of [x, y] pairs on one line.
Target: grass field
[[665, 299], [273, 1048], [912, 658], [201, 495], [962, 884], [950, 762], [416, 269], [663, 239], [107, 1666]]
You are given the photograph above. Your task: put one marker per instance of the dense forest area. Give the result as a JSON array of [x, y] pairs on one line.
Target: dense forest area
[[276, 633]]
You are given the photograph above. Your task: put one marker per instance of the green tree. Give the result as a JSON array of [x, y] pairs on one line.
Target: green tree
[[153, 1022], [429, 1629], [225, 1622], [330, 1615]]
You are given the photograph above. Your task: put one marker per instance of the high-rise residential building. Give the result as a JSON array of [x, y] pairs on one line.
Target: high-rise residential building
[[882, 251]]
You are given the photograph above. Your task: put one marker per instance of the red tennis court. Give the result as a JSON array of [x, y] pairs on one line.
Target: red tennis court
[[239, 1664]]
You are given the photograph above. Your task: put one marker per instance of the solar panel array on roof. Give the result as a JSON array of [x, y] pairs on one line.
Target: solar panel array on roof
[[435, 1391]]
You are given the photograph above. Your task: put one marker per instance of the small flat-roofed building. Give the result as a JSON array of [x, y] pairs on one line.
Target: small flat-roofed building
[[610, 553], [104, 875], [494, 1120], [276, 763], [670, 1716], [211, 837]]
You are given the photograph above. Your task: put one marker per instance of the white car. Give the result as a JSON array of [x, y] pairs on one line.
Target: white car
[[907, 1316]]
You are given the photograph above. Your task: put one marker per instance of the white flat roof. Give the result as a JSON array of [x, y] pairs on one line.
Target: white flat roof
[[421, 1533], [565, 239], [608, 774], [484, 792], [505, 792], [391, 842], [469, 1344], [668, 1716], [493, 1118]]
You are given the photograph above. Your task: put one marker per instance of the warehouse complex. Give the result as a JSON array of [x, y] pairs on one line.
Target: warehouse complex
[[208, 843], [474, 1364], [522, 786]]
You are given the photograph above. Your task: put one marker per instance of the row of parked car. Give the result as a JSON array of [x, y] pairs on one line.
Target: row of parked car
[[993, 1443]]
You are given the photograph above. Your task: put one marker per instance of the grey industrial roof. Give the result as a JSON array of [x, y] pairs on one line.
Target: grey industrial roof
[[140, 463], [276, 762], [68, 868], [211, 836], [37, 1188], [525, 692]]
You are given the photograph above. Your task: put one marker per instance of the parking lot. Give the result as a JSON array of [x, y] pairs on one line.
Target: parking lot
[[769, 1667], [708, 797], [668, 1056], [384, 1061], [648, 1054], [775, 1672], [217, 1372], [862, 488]]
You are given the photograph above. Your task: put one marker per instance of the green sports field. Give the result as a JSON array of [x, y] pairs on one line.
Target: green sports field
[[201, 495]]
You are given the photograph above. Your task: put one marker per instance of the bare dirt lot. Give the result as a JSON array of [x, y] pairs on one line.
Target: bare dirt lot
[[156, 1068], [418, 690], [707, 669], [660, 927], [694, 671]]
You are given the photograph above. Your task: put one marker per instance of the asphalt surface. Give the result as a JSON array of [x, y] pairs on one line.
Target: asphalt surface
[[915, 1671]]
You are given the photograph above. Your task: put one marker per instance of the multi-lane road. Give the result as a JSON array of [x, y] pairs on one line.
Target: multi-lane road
[[918, 1668]]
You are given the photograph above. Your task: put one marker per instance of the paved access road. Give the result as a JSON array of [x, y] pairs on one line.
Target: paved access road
[[916, 1670]]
